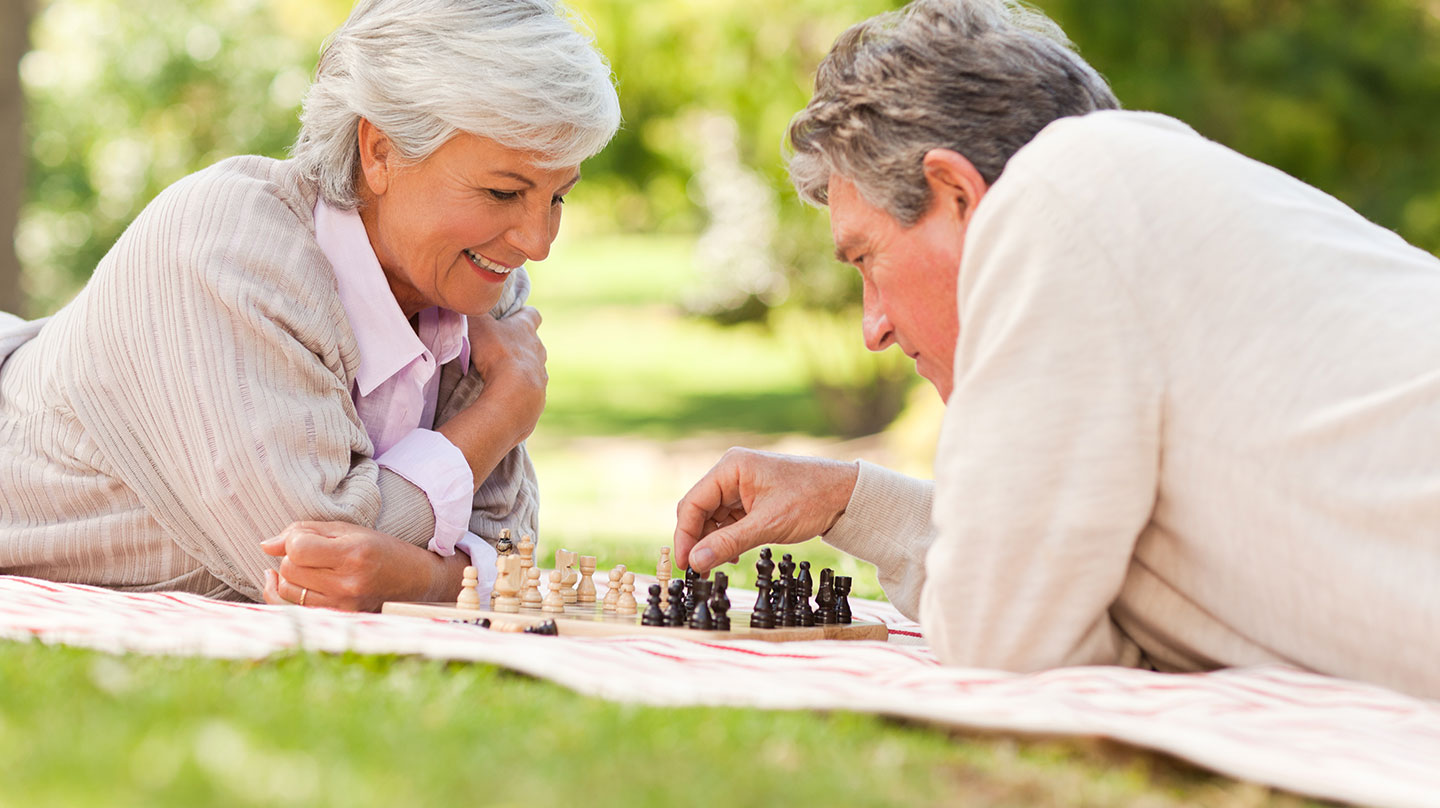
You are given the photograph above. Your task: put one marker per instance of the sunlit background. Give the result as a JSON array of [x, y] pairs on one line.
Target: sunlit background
[[691, 302]]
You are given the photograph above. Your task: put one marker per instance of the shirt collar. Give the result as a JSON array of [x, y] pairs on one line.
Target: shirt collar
[[383, 335]]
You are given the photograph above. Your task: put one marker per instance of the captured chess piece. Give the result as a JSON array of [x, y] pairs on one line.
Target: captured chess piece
[[469, 598], [504, 546], [662, 574], [675, 613], [825, 612], [554, 601], [842, 600], [805, 586], [653, 616], [626, 603], [545, 628], [763, 616], [612, 594], [532, 599], [701, 619], [585, 591], [720, 602]]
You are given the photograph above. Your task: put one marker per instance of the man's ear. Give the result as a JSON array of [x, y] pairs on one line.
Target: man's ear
[[954, 183], [377, 157]]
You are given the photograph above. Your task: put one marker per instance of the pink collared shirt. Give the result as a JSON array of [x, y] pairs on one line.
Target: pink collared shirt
[[397, 385]]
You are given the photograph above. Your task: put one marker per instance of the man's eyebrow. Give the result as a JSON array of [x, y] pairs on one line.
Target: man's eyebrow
[[843, 248]]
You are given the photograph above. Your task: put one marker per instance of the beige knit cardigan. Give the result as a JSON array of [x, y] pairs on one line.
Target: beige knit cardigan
[[194, 399]]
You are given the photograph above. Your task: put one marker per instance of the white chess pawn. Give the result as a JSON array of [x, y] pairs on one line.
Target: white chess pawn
[[468, 598], [585, 591], [533, 599], [612, 594], [554, 600], [626, 602]]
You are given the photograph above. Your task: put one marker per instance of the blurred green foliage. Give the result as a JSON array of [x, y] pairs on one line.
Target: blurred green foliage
[[124, 99]]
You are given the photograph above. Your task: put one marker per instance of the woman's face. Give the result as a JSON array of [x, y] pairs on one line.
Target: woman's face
[[449, 229]]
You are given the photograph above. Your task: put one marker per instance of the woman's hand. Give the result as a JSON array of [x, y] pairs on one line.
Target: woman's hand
[[510, 358], [338, 565]]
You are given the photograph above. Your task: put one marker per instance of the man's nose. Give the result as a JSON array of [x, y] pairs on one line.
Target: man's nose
[[879, 334]]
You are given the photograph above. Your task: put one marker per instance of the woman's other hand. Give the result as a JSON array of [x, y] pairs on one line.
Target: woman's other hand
[[338, 565], [510, 358]]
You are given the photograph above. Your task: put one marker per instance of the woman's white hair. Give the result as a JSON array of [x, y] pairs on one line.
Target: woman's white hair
[[523, 73]]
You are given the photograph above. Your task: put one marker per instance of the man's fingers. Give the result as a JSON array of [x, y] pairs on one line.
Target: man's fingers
[[724, 544]]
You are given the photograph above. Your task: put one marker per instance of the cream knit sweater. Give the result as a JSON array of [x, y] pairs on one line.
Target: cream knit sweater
[[1196, 423], [194, 399]]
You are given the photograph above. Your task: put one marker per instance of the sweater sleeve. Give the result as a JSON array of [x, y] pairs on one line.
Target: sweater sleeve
[[887, 523], [212, 377], [1047, 465]]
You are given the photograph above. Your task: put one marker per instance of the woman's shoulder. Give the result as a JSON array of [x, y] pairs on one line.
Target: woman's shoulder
[[264, 186]]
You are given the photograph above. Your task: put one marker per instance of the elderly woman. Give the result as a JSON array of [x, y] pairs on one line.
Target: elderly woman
[[337, 343]]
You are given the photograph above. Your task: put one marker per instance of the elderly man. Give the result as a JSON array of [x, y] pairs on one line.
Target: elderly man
[[1192, 404]]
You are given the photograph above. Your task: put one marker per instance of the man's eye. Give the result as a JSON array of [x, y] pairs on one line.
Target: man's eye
[[559, 200], [503, 196]]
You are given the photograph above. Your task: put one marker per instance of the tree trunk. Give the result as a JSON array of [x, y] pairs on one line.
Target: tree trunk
[[14, 41]]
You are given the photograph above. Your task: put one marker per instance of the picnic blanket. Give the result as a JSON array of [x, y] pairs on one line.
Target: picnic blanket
[[1278, 726]]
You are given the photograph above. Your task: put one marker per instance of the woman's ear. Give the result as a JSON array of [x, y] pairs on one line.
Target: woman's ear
[[955, 183], [377, 157]]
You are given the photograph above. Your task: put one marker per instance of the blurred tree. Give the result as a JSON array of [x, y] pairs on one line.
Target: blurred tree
[[14, 41]]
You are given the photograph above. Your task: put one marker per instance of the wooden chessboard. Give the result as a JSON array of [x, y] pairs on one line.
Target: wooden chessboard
[[591, 621]]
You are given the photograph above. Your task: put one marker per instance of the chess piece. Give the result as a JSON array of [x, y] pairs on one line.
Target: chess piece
[[789, 614], [469, 598], [787, 573], [527, 554], [626, 603], [612, 594], [842, 601], [554, 601], [565, 563], [691, 576], [653, 616], [499, 573], [765, 567], [532, 599], [546, 628], [720, 602], [585, 592], [804, 588], [825, 600], [701, 619], [662, 574], [504, 546], [675, 614], [763, 616], [507, 584]]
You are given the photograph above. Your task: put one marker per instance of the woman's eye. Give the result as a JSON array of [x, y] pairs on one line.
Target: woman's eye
[[503, 196]]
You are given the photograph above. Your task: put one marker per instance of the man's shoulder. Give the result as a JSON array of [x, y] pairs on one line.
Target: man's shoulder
[[1101, 141]]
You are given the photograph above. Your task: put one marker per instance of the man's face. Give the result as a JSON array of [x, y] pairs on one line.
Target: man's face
[[909, 275]]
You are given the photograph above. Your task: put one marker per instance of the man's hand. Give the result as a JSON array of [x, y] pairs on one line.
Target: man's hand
[[752, 498], [338, 565]]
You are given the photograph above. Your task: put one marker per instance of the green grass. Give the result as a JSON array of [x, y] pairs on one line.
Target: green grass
[[82, 728]]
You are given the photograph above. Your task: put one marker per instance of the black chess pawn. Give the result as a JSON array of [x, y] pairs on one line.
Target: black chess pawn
[[653, 616], [842, 603], [789, 614], [805, 587], [691, 576], [676, 615], [720, 602], [825, 599], [763, 616], [701, 619]]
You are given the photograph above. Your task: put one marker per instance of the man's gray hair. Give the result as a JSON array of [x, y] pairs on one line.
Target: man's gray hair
[[523, 73], [978, 77]]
